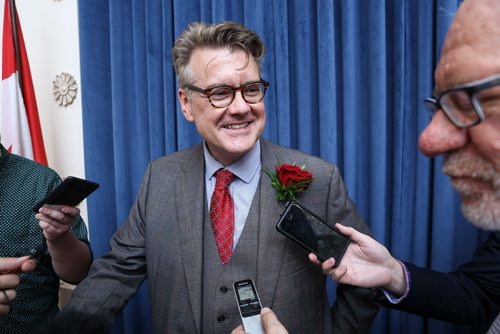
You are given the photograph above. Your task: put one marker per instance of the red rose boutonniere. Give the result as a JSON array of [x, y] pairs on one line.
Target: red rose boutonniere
[[290, 180]]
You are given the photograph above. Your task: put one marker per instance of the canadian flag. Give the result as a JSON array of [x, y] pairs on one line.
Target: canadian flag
[[19, 122]]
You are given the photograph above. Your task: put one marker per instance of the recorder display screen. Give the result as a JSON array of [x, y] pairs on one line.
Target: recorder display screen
[[246, 292]]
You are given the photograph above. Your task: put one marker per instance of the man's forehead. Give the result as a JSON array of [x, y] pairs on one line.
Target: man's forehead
[[466, 64], [207, 63], [477, 23], [472, 46]]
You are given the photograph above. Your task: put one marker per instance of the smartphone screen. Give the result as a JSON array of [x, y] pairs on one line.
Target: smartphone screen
[[70, 192], [309, 231]]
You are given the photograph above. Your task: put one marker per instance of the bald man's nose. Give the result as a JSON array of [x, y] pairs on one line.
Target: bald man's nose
[[441, 136]]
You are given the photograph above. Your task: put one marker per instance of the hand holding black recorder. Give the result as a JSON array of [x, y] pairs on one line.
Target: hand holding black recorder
[[312, 233]]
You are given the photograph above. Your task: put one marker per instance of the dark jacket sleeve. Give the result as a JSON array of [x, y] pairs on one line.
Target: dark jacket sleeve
[[468, 295]]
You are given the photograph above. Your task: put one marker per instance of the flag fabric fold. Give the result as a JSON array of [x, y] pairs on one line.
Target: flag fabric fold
[[20, 128]]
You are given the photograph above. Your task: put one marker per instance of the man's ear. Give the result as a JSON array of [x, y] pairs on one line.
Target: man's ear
[[185, 105]]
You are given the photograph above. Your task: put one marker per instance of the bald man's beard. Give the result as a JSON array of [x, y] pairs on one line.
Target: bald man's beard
[[478, 184]]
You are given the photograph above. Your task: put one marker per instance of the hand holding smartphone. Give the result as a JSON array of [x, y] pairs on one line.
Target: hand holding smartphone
[[70, 192], [312, 233]]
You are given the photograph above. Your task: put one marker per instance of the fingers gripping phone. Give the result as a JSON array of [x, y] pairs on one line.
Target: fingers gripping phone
[[249, 306], [70, 192], [312, 233]]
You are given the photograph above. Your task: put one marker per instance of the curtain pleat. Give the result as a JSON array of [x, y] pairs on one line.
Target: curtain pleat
[[347, 82]]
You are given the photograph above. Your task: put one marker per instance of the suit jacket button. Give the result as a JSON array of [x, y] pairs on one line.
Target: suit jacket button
[[223, 289], [221, 319]]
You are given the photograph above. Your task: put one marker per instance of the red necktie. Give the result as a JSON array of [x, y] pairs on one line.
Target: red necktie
[[222, 214]]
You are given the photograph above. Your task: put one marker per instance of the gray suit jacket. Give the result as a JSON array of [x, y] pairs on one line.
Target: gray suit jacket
[[162, 240], [495, 326]]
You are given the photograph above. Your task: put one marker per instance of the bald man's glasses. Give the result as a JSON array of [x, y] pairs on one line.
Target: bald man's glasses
[[222, 96], [465, 105]]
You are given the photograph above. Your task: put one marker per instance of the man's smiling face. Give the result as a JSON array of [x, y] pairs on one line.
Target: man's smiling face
[[232, 131]]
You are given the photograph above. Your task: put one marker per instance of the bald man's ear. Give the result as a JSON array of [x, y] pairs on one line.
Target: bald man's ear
[[185, 105]]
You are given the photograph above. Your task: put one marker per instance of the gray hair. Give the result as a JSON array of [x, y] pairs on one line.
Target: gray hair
[[226, 34]]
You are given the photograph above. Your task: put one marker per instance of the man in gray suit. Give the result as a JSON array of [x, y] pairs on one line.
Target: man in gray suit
[[169, 238]]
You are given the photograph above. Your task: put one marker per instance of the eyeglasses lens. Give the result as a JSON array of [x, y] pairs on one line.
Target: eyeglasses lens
[[458, 106], [223, 96]]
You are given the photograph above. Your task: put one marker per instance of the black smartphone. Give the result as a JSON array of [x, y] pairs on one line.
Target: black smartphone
[[71, 191], [312, 233]]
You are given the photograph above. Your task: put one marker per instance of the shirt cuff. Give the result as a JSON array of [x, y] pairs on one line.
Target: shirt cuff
[[390, 296]]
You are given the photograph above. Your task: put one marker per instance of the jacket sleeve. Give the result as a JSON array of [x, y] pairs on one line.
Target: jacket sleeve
[[468, 295], [115, 277]]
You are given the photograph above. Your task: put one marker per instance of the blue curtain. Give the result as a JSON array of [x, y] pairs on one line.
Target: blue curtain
[[347, 82]]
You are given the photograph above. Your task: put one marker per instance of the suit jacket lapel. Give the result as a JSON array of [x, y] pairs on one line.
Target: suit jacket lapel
[[271, 246], [191, 206]]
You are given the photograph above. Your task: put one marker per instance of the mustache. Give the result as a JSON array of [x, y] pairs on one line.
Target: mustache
[[470, 165], [464, 164]]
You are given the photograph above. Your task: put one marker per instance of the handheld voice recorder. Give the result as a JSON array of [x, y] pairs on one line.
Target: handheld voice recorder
[[249, 306]]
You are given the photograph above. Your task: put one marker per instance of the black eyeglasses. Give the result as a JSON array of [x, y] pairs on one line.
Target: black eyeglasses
[[463, 104], [221, 96]]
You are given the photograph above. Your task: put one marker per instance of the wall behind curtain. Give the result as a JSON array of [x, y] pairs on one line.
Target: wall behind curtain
[[347, 83]]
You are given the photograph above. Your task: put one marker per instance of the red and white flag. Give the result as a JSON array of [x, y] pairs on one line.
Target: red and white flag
[[19, 122]]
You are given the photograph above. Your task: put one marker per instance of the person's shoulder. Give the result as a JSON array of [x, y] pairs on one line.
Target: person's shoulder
[[186, 157], [274, 155], [27, 166], [29, 177], [289, 155]]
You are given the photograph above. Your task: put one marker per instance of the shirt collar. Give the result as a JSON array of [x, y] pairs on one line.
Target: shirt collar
[[244, 169]]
